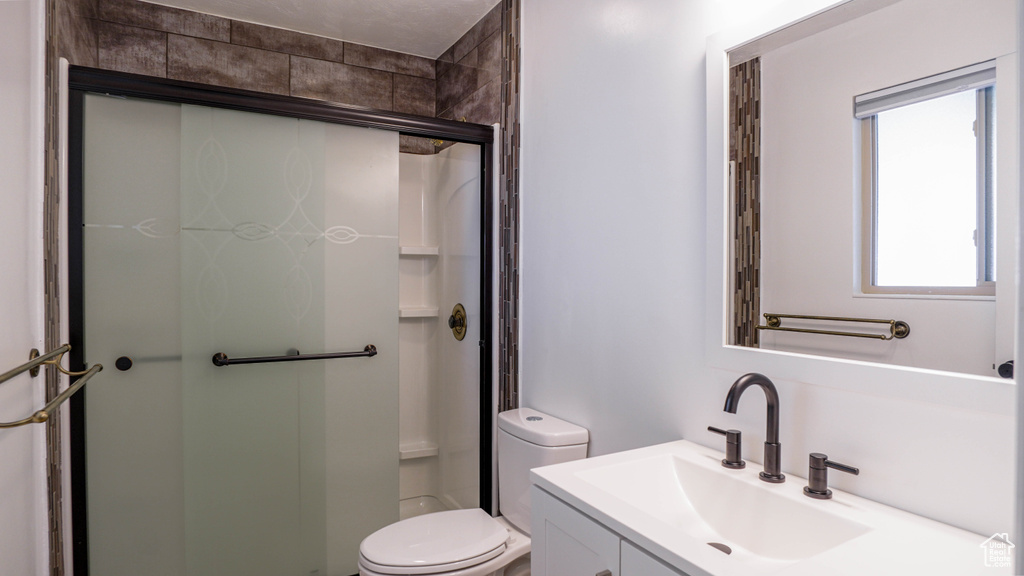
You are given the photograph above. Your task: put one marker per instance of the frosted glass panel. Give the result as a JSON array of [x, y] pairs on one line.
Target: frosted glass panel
[[251, 235], [131, 296], [361, 281], [252, 199]]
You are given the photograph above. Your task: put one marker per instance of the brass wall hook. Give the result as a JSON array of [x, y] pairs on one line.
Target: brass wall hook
[[53, 357], [32, 355], [42, 415], [55, 362]]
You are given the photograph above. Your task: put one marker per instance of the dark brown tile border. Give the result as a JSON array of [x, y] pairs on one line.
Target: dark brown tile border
[[387, 61], [130, 49], [341, 83], [414, 95], [286, 41], [489, 24], [165, 19], [198, 60]]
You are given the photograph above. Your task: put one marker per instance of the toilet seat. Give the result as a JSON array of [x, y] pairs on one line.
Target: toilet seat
[[433, 543]]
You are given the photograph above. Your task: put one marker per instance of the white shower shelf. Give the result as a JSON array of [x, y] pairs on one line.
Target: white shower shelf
[[424, 449], [417, 312], [417, 251]]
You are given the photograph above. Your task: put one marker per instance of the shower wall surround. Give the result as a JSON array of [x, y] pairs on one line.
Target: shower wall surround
[[142, 38], [469, 73], [439, 376], [475, 80]]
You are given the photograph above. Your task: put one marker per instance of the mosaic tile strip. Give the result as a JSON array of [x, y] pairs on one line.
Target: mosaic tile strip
[[68, 31], [508, 211], [745, 155]]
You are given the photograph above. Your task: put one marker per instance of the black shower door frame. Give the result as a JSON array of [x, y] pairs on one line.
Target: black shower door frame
[[82, 81]]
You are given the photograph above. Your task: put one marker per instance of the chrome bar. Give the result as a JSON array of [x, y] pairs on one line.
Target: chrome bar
[[34, 362], [43, 415], [897, 328], [221, 359]]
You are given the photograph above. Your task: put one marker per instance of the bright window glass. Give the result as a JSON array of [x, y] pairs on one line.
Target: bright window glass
[[927, 193]]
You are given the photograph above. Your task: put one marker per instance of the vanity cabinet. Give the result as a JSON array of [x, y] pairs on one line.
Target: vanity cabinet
[[566, 542], [636, 562]]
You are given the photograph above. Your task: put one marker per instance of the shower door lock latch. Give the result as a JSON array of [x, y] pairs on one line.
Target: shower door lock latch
[[458, 322]]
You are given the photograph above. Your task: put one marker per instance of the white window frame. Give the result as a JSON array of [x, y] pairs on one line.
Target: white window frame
[[978, 77]]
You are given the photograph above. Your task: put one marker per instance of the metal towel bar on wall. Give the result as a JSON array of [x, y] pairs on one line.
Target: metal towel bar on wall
[[221, 359], [52, 358], [897, 328]]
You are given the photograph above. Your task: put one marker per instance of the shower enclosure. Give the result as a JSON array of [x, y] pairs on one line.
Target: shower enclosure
[[273, 281]]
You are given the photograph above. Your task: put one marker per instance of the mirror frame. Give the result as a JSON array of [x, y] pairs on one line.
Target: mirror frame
[[981, 393]]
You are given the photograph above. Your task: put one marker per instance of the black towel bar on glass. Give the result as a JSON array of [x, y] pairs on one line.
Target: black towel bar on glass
[[221, 359]]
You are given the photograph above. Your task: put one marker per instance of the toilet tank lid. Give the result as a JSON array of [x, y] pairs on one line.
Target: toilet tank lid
[[541, 429]]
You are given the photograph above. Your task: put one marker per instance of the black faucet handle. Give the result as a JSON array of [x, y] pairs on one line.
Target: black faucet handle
[[817, 475], [838, 466], [733, 448]]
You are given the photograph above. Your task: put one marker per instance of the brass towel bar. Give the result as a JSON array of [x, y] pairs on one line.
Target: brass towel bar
[[51, 358], [897, 328]]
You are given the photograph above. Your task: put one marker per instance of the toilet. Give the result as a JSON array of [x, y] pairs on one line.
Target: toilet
[[471, 542]]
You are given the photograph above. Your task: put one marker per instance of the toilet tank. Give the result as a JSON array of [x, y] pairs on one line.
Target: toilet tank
[[528, 439]]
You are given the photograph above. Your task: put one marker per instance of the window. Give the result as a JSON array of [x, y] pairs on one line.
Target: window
[[928, 178]]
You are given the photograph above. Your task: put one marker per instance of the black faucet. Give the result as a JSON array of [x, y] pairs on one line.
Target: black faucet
[[772, 448]]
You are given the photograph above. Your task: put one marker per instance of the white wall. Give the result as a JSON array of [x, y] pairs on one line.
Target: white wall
[[1019, 508], [614, 260], [23, 537], [612, 215]]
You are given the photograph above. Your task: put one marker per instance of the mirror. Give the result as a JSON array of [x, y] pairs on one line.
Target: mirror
[[808, 184]]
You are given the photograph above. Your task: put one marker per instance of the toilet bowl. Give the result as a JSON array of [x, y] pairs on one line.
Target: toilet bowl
[[470, 542], [452, 543]]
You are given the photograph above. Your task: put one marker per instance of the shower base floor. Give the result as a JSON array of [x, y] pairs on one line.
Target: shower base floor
[[419, 505]]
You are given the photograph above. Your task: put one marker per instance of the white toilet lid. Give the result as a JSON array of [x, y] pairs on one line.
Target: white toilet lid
[[435, 542]]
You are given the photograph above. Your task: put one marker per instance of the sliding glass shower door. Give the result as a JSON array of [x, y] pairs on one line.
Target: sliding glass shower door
[[212, 231]]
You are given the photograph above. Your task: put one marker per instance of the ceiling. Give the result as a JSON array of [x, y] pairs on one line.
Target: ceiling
[[421, 27]]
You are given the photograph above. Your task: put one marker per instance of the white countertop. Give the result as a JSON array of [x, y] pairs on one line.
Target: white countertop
[[895, 542]]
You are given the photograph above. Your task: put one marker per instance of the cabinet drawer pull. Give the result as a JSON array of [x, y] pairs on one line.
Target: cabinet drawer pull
[[604, 573]]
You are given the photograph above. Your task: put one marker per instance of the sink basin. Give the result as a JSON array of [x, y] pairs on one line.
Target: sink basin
[[697, 496]]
